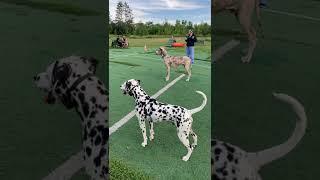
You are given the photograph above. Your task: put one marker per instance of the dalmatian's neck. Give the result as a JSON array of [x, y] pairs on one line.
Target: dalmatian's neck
[[139, 95], [164, 56]]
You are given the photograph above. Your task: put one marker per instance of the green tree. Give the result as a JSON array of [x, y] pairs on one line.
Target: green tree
[[119, 12], [128, 17]]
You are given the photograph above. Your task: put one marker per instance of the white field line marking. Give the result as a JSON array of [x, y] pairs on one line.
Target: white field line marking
[[292, 14], [217, 54], [67, 169], [74, 163]]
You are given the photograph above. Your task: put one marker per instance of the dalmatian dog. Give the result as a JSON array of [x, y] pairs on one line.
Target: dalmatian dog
[[243, 10], [229, 162], [149, 109], [174, 61], [72, 82]]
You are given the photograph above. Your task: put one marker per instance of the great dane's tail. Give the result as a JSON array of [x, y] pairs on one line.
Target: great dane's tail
[[204, 102], [257, 4], [268, 155]]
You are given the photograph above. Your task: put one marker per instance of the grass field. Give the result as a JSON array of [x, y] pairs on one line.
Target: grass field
[[160, 159], [36, 137], [286, 60]]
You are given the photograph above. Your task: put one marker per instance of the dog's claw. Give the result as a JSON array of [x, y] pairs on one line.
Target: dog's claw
[[144, 144]]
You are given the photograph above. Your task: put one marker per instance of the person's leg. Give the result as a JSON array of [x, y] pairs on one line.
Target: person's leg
[[188, 51], [192, 54]]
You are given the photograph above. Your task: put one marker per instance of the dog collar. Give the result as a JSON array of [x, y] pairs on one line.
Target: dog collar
[[66, 98], [78, 81]]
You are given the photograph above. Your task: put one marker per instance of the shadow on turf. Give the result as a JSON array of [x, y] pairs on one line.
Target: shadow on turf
[[125, 63]]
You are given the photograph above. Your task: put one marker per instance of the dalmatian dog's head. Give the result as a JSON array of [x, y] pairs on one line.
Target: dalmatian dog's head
[[128, 86], [61, 74], [161, 52]]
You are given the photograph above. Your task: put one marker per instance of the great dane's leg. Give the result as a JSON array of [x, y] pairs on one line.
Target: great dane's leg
[[188, 69], [151, 130], [244, 16], [253, 42], [142, 125], [236, 14], [168, 72]]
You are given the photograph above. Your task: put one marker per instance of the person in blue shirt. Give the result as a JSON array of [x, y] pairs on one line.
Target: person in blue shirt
[[190, 39]]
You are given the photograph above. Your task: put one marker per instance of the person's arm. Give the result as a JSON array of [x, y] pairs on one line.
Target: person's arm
[[195, 38]]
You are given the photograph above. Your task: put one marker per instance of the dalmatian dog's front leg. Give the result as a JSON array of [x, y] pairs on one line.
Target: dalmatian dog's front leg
[[151, 130], [142, 125]]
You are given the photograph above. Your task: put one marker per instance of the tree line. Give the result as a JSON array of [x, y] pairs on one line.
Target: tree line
[[123, 24]]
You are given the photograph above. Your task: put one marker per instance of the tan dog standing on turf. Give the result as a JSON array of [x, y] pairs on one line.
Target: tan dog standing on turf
[[174, 61], [145, 48], [243, 10]]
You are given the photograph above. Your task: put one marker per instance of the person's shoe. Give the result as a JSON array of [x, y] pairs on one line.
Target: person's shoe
[[263, 5]]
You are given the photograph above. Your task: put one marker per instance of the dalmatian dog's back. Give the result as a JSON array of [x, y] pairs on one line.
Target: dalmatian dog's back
[[72, 81], [229, 162]]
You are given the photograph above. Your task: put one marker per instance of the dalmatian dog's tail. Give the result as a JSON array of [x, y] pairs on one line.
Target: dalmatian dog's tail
[[268, 155], [204, 102]]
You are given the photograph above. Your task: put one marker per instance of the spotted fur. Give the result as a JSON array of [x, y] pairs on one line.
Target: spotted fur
[[90, 100], [151, 110], [174, 61]]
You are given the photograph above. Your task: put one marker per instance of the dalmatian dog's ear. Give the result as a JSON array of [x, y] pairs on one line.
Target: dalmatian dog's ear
[[163, 50], [128, 84], [93, 63], [61, 73]]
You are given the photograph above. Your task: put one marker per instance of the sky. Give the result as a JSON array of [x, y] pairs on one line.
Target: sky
[[158, 11]]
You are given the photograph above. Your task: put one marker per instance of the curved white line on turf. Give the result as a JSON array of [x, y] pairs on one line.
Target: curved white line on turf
[[292, 14], [74, 163]]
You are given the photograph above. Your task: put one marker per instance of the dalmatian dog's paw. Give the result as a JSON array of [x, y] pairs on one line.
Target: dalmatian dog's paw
[[188, 79], [167, 79], [185, 158], [144, 144], [151, 137]]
